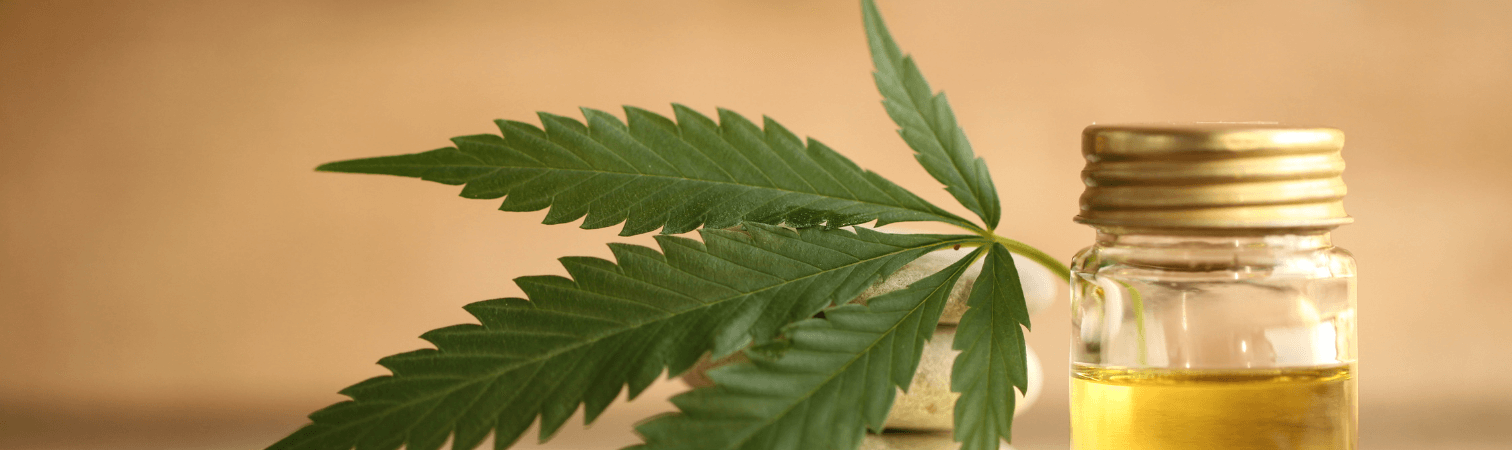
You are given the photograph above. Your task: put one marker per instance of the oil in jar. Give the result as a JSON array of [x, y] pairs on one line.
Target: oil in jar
[[1309, 408]]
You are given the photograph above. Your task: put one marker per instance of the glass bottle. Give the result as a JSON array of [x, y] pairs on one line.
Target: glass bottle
[[1213, 311]]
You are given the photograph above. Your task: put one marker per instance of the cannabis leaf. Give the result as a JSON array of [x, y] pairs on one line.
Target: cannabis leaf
[[655, 173], [582, 340], [926, 122], [837, 376], [992, 360], [812, 382]]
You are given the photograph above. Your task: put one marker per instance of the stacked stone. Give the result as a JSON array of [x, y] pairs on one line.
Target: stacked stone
[[922, 417]]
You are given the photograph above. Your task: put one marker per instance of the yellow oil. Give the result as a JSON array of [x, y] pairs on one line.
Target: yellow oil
[[1309, 408]]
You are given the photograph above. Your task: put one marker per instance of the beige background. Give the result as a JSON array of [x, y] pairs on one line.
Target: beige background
[[174, 275]]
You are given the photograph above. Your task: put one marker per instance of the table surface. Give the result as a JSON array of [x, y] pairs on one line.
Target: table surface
[[31, 427]]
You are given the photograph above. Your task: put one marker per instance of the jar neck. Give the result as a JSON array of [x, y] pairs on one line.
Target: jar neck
[[1271, 240]]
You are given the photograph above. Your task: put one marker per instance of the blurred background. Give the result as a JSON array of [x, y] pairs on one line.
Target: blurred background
[[174, 275]]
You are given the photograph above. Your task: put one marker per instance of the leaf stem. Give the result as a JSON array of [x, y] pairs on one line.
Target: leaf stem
[[1022, 249], [1044, 259], [1139, 321]]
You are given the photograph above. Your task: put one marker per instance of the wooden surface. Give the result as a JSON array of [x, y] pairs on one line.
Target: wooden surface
[[1451, 427]]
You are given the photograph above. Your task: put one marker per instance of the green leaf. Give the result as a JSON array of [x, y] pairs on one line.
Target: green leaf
[[581, 340], [836, 377], [926, 122], [991, 363], [654, 173]]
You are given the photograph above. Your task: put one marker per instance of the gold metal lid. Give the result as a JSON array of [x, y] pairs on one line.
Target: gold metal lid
[[1212, 177]]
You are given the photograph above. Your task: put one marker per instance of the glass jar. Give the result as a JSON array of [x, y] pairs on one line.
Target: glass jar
[[1213, 311]]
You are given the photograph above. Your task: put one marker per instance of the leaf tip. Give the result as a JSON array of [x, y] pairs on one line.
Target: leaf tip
[[345, 166]]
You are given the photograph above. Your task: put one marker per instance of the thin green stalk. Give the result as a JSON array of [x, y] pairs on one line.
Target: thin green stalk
[[1049, 262], [1044, 259], [1139, 321], [1020, 248], [1064, 272]]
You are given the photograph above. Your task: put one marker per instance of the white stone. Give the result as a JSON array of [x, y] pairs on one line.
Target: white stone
[[1040, 285], [930, 405], [914, 441]]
